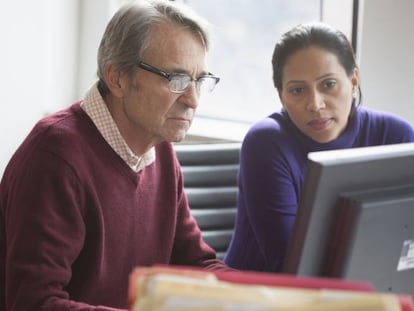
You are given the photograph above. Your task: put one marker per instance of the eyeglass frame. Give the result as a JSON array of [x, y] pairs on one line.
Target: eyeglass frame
[[170, 75]]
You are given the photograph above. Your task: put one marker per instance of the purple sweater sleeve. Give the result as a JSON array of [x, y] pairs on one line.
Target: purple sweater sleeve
[[269, 182], [270, 196]]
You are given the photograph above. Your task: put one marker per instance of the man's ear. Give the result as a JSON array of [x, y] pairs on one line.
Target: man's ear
[[113, 79]]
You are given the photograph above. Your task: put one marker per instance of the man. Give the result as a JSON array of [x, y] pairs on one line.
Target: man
[[96, 189]]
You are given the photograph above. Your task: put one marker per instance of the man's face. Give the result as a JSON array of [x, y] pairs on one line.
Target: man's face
[[151, 113]]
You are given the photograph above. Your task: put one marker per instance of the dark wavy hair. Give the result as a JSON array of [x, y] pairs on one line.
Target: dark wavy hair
[[312, 34]]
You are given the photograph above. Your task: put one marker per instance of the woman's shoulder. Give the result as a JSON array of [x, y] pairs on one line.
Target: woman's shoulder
[[274, 132], [378, 117], [274, 125], [390, 124]]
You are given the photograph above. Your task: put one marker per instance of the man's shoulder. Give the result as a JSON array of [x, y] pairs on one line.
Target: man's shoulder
[[62, 132], [65, 121]]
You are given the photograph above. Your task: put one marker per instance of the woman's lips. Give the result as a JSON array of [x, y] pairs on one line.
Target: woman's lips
[[320, 124]]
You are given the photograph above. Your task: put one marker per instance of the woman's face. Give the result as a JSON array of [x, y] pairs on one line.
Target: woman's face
[[317, 93]]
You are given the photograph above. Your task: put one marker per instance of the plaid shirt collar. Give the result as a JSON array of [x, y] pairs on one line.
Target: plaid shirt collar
[[96, 109]]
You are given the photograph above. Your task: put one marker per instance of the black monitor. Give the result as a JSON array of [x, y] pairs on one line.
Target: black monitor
[[356, 217]]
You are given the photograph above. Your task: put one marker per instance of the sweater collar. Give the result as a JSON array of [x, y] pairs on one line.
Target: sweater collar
[[345, 140]]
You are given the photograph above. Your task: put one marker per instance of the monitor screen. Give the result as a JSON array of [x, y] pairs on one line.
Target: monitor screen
[[370, 179]]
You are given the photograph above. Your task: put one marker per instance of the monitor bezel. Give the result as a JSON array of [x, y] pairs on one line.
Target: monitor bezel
[[330, 173]]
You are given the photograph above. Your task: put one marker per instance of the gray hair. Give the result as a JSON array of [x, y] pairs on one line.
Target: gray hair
[[127, 34]]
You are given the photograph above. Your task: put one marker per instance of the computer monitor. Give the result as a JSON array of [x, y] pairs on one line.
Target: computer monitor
[[372, 238], [327, 237]]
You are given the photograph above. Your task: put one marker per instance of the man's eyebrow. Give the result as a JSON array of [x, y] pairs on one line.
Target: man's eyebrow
[[179, 70], [182, 71]]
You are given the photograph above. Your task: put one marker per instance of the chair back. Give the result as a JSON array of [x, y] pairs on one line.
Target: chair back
[[210, 181]]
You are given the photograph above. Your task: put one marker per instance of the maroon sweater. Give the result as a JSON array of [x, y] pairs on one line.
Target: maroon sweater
[[75, 219]]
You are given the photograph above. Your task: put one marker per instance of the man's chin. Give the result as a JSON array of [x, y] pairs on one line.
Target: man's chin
[[177, 137]]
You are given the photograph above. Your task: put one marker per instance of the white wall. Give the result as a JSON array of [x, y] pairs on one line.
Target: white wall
[[38, 71], [38, 51], [46, 45], [94, 15], [386, 55]]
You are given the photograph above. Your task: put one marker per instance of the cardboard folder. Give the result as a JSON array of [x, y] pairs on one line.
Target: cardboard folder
[[224, 286]]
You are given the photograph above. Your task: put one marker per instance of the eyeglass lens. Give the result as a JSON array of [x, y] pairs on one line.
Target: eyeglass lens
[[179, 83]]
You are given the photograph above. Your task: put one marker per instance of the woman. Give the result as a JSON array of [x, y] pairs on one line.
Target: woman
[[315, 73]]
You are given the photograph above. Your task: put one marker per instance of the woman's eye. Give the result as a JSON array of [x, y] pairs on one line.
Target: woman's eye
[[296, 90], [330, 84]]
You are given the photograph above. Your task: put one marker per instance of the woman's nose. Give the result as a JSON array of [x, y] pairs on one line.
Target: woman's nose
[[316, 101]]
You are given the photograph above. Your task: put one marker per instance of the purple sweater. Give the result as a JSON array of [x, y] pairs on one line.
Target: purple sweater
[[75, 219], [272, 169]]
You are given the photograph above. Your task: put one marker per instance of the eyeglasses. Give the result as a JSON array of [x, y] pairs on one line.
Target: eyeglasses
[[179, 82]]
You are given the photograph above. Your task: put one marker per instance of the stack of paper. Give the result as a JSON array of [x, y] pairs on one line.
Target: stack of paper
[[165, 289]]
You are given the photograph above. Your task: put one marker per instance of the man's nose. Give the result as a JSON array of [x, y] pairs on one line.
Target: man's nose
[[191, 95]]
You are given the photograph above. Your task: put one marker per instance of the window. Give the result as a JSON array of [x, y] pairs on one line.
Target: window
[[244, 34]]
